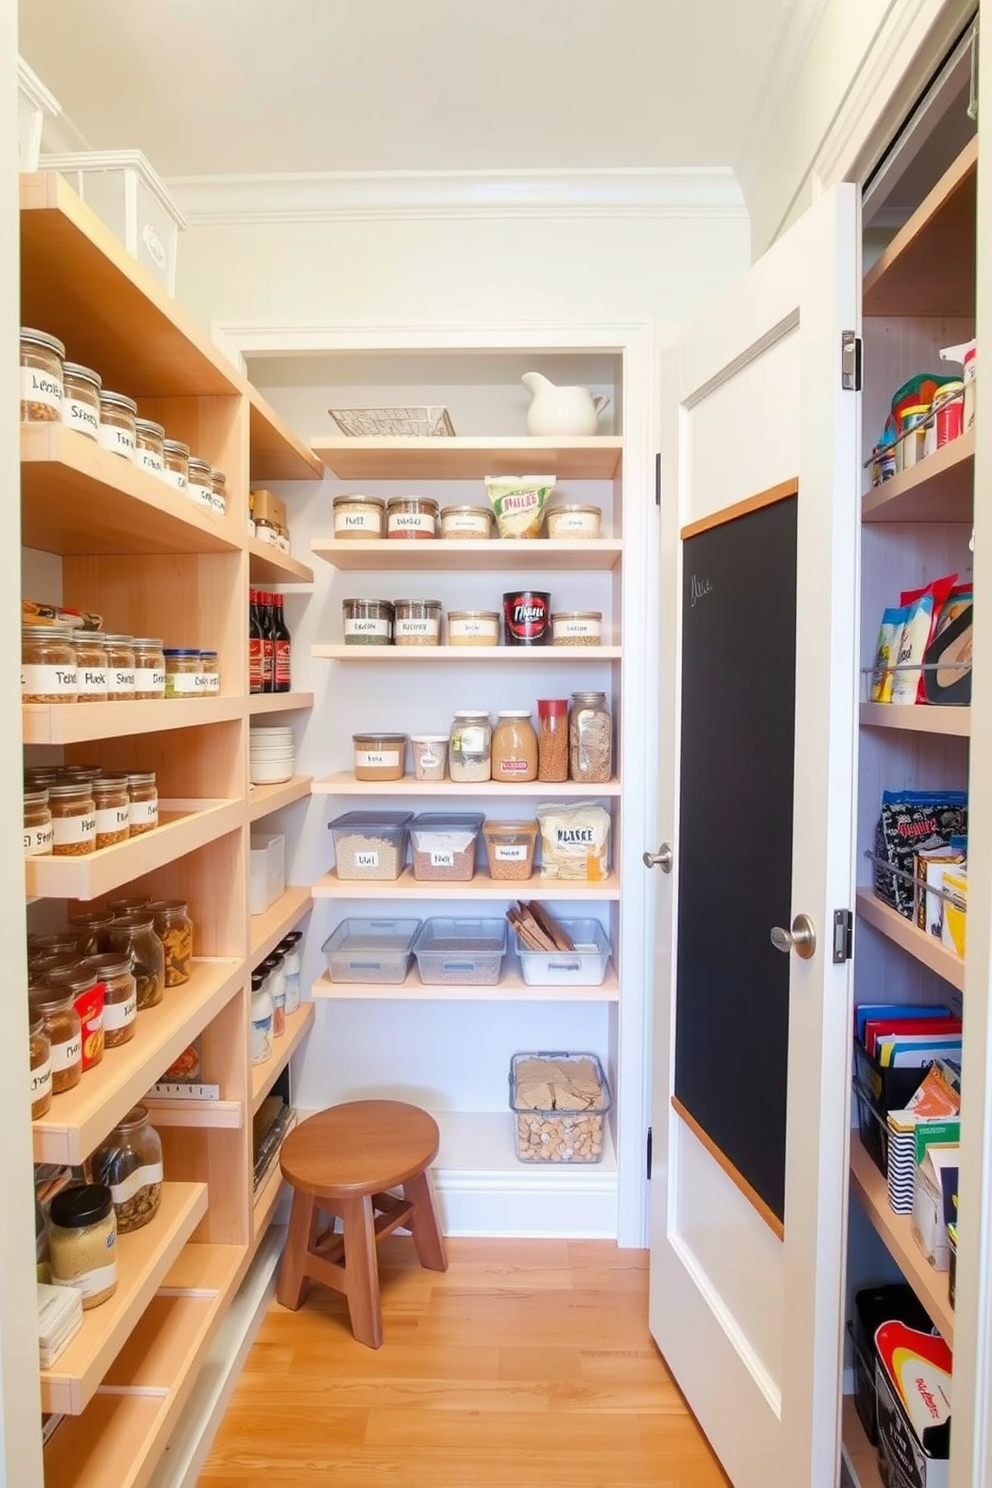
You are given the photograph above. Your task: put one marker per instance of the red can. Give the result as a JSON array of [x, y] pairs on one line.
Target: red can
[[527, 618], [948, 412]]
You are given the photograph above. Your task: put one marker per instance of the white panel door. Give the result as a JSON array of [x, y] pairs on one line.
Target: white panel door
[[747, 1313]]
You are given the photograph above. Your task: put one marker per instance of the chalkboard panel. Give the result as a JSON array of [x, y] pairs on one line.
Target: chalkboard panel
[[735, 839]]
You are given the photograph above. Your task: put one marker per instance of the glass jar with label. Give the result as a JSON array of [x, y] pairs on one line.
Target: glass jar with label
[[573, 521], [183, 669], [379, 756], [48, 664], [81, 399], [576, 627], [174, 929], [290, 948], [552, 739], [40, 1054], [590, 738], [129, 1162], [465, 523], [368, 622], [143, 802], [120, 995], [113, 808], [266, 531], [200, 486], [149, 668], [54, 1005], [73, 818], [514, 747], [430, 756], [276, 985], [261, 1018], [91, 666], [91, 928], [38, 831], [149, 440], [210, 672], [473, 628], [120, 667], [117, 417], [417, 622], [218, 491], [359, 516], [82, 1239], [175, 463], [42, 387], [411, 516], [470, 746], [134, 935], [87, 999]]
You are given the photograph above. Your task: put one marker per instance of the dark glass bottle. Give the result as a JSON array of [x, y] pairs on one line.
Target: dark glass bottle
[[254, 644], [283, 640], [266, 619]]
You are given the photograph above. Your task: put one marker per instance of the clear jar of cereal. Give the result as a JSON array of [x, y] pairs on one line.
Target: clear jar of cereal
[[417, 622], [113, 807], [120, 667], [81, 399], [73, 818], [183, 670], [470, 746], [42, 388], [91, 666], [359, 516], [38, 831], [116, 430], [200, 486], [411, 517], [473, 628], [40, 1052], [112, 970], [175, 463], [218, 491], [149, 668], [143, 802], [149, 440], [48, 664]]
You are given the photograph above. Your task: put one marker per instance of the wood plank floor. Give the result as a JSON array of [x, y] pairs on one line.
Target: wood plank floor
[[528, 1364]]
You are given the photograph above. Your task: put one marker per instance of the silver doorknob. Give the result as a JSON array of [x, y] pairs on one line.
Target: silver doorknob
[[662, 859], [801, 938]]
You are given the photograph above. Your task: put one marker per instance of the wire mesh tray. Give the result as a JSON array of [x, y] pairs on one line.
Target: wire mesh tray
[[429, 422]]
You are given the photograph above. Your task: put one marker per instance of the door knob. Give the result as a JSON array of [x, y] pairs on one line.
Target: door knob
[[662, 859], [801, 938]]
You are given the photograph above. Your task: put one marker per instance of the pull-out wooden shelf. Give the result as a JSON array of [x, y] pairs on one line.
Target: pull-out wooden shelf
[[510, 988], [76, 723], [915, 942], [496, 555], [344, 784], [480, 887], [414, 655], [598, 457], [266, 930], [264, 1076], [939, 488]]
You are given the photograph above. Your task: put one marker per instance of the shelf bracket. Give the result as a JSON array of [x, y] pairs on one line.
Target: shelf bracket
[[850, 361], [843, 935]]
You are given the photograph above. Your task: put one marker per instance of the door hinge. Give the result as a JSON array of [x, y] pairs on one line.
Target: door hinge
[[850, 362], [843, 935], [650, 1151], [657, 479]]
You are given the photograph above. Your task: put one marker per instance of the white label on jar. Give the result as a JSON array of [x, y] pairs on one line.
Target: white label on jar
[[94, 679], [202, 495], [442, 858], [586, 628], [261, 1039], [120, 681], [41, 1081], [149, 679], [67, 1054], [417, 628], [366, 860], [429, 761], [471, 740], [365, 520], [467, 522], [72, 829], [40, 681], [460, 628], [411, 522], [149, 459], [38, 840], [112, 819], [376, 759], [92, 1283], [40, 387], [212, 681], [184, 682], [81, 417], [120, 1014], [366, 628], [174, 478], [508, 854], [134, 1182], [141, 813], [570, 522], [119, 441]]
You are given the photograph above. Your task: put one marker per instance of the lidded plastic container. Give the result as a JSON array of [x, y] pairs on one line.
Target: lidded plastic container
[[510, 848], [359, 517], [291, 965], [460, 953], [411, 517], [573, 521], [261, 1018], [417, 622], [443, 845], [376, 951], [467, 523], [473, 628], [379, 756], [584, 966], [82, 1235], [367, 622], [370, 844]]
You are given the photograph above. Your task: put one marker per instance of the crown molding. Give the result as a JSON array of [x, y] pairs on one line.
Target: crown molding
[[787, 54], [208, 201]]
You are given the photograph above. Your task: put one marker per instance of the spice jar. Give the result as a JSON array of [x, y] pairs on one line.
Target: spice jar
[[416, 622], [290, 948], [42, 387], [142, 802], [261, 1018], [149, 668], [81, 399], [552, 739], [470, 746], [573, 521], [149, 440], [87, 999], [120, 667], [175, 463], [73, 818], [48, 664], [183, 667], [218, 492], [112, 804], [411, 516], [116, 428], [576, 627], [430, 756], [514, 747], [210, 673], [38, 831], [129, 1162], [276, 986], [54, 1006], [92, 677], [367, 622], [40, 1052], [379, 756], [359, 516], [91, 929], [134, 934], [82, 1238], [590, 738], [120, 995], [199, 484], [174, 929], [473, 628], [464, 523]]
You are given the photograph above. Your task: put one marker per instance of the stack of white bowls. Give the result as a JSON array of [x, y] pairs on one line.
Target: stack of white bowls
[[271, 755]]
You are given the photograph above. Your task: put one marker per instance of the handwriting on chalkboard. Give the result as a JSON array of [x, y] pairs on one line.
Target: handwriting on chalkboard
[[700, 588]]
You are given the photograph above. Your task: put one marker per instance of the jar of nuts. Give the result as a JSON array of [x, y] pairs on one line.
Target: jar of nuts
[[129, 1162], [42, 387], [73, 818], [174, 929]]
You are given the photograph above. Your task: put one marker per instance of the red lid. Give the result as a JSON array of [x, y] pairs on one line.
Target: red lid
[[552, 707]]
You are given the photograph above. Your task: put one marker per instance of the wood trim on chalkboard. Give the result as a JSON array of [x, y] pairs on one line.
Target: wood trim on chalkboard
[[737, 1179], [741, 508]]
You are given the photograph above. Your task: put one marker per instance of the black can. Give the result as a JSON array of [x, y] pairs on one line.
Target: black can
[[527, 618]]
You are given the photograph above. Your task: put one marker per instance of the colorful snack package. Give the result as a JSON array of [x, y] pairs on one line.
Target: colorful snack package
[[519, 502], [924, 605], [912, 822], [886, 655]]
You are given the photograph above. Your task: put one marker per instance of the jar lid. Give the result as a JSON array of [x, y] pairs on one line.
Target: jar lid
[[118, 400], [42, 338], [474, 615], [75, 1208], [471, 713], [257, 980], [36, 797], [85, 374], [119, 640], [176, 447], [146, 641], [200, 466], [513, 713], [475, 511], [385, 738], [94, 637], [49, 999], [292, 940], [91, 918], [137, 1116], [59, 940], [110, 783], [427, 739], [576, 615], [70, 790], [588, 697], [218, 477], [386, 604], [180, 651], [147, 777], [47, 632], [556, 511], [427, 502], [107, 964], [167, 906], [378, 501], [273, 960], [552, 707], [149, 426], [207, 655], [133, 919], [433, 603]]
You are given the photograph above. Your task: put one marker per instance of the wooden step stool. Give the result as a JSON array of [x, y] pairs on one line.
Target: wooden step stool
[[341, 1162]]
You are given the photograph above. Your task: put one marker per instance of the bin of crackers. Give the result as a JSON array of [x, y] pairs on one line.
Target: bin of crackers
[[560, 1103]]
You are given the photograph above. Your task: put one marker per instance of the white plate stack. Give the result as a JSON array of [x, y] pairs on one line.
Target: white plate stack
[[271, 755]]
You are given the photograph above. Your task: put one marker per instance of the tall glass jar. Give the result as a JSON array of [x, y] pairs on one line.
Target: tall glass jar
[[92, 677], [470, 746], [39, 833], [120, 667], [112, 810], [134, 934], [129, 1162], [42, 388], [81, 400], [149, 668], [91, 927], [116, 430], [143, 802], [120, 995], [48, 664], [73, 819], [82, 1235], [40, 1054], [552, 739], [290, 948], [174, 929], [175, 466], [590, 738], [54, 1006], [514, 748], [148, 446]]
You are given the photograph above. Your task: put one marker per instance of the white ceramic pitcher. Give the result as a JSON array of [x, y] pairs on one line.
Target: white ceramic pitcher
[[561, 410]]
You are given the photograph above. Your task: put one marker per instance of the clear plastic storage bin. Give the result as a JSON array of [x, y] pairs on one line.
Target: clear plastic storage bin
[[376, 951], [460, 953], [443, 845], [370, 844], [583, 967], [560, 1103]]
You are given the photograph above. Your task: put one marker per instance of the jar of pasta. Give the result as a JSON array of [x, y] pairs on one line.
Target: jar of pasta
[[200, 487], [143, 802], [174, 929], [38, 831], [91, 666], [113, 807], [112, 970], [120, 667], [149, 668], [82, 1237], [175, 463], [359, 516], [210, 670], [590, 738], [42, 387], [134, 935], [81, 399], [183, 669], [73, 818], [417, 622], [129, 1162], [411, 516], [218, 492], [40, 1054], [116, 431], [48, 664], [149, 441], [54, 1006], [470, 746]]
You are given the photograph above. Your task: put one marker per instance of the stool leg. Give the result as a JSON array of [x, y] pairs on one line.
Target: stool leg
[[425, 1224], [362, 1270], [293, 1280]]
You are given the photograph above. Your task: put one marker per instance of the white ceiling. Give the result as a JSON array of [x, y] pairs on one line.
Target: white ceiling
[[215, 87]]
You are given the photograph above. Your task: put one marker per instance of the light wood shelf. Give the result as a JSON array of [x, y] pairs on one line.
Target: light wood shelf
[[862, 1457], [267, 1198], [275, 452], [896, 1233], [414, 655], [343, 783], [266, 930], [510, 988], [143, 1260], [76, 723], [212, 1115], [917, 943], [912, 276], [918, 719], [264, 799], [329, 886], [78, 1119], [939, 488], [279, 702], [497, 555], [264, 1076], [388, 458], [183, 828], [269, 565]]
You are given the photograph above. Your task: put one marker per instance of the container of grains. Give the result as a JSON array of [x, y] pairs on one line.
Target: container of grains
[[92, 677], [514, 748], [129, 1162], [359, 516], [81, 399], [174, 929], [430, 756], [473, 628], [142, 802], [460, 953], [590, 738], [411, 517], [443, 845], [40, 1055], [470, 745], [379, 756], [210, 673], [120, 667], [48, 664], [61, 1021], [417, 622], [218, 492], [375, 951], [39, 833], [73, 818], [576, 628], [82, 1238], [510, 848], [367, 622], [560, 1102], [134, 935], [370, 844], [183, 669], [573, 521], [552, 739], [149, 439], [87, 999], [199, 486], [464, 523], [113, 807], [42, 387], [149, 668], [120, 995], [116, 431], [175, 463]]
